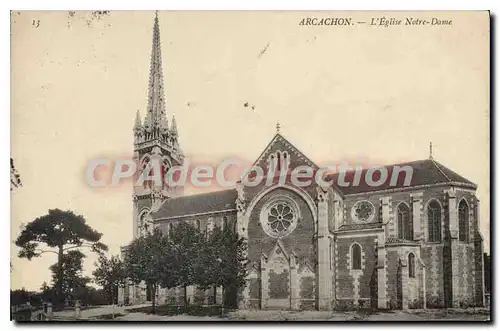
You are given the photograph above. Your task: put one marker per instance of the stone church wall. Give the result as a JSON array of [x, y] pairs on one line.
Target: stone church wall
[[356, 288], [307, 292], [299, 241], [432, 256], [465, 291]]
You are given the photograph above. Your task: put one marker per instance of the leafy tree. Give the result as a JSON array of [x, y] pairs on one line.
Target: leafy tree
[[90, 296], [147, 260], [110, 274], [58, 232], [19, 297], [222, 261], [72, 279], [186, 248], [47, 293]]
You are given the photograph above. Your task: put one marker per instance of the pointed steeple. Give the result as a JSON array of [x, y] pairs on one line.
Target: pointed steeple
[[173, 128], [138, 124], [156, 119]]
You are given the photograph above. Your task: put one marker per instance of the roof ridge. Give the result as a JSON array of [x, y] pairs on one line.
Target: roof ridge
[[200, 194], [436, 164], [298, 150], [382, 165]]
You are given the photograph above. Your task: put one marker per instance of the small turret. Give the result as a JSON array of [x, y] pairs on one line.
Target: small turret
[[173, 128], [164, 125], [138, 123]]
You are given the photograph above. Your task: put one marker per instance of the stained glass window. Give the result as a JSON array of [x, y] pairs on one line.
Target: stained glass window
[[411, 265], [463, 221], [363, 211], [280, 218], [356, 257], [405, 223], [434, 221]]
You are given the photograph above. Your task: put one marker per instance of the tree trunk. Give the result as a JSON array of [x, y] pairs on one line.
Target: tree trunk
[[113, 305], [185, 297], [153, 298], [223, 300], [60, 274]]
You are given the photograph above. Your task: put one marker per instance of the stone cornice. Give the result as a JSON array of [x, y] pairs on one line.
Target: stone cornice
[[411, 188]]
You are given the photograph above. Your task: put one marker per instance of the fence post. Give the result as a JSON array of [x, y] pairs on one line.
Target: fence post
[[49, 311], [30, 312], [77, 309]]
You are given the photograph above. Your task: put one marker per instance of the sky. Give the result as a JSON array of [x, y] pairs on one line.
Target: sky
[[368, 93]]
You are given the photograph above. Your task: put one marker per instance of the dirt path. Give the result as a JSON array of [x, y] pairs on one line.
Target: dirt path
[[259, 315], [98, 311]]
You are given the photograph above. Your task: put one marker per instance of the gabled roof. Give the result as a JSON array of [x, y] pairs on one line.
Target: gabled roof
[[279, 137], [198, 203], [425, 172], [282, 251]]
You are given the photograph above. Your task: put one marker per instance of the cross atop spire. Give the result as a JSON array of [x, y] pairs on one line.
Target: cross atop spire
[[278, 127], [156, 120], [430, 151]]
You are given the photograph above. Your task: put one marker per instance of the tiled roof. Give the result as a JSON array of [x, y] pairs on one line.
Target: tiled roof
[[425, 172], [198, 203]]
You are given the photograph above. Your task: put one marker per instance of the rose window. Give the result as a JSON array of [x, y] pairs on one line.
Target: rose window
[[363, 211], [280, 218]]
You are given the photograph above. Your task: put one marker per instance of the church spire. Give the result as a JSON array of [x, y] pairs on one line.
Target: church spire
[[156, 119]]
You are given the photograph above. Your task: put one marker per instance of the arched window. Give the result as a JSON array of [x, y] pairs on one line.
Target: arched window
[[272, 163], [198, 224], [145, 224], [405, 223], [463, 221], [434, 221], [355, 257], [164, 169], [411, 265], [285, 160], [145, 171]]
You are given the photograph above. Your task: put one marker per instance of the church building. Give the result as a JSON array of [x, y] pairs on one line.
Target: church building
[[320, 248]]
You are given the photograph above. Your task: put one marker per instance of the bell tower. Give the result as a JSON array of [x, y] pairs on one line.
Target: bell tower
[[155, 141]]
